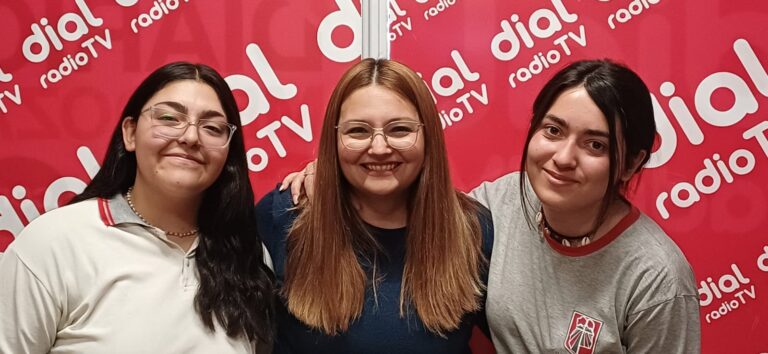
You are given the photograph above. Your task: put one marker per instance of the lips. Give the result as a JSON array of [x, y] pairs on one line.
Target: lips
[[381, 166], [558, 178], [186, 157]]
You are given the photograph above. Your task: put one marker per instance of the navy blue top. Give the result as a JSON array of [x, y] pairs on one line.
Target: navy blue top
[[380, 329]]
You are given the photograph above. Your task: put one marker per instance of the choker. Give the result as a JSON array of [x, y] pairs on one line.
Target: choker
[[568, 241], [168, 233]]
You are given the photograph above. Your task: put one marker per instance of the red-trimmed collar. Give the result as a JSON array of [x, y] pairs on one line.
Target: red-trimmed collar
[[611, 235], [115, 210]]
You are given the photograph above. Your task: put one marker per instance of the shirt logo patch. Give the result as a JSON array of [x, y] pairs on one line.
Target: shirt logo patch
[[582, 334]]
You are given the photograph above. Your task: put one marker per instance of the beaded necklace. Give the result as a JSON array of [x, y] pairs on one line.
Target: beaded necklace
[[169, 233]]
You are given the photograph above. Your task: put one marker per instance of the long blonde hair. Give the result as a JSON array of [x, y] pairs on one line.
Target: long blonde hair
[[325, 282]]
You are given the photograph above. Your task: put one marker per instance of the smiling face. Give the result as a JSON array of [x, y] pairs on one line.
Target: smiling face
[[179, 166], [379, 170], [568, 157]]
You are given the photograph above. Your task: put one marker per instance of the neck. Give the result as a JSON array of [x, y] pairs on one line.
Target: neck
[[383, 212], [581, 222], [168, 212]]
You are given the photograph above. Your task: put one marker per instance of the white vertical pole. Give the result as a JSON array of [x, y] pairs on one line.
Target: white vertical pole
[[375, 28]]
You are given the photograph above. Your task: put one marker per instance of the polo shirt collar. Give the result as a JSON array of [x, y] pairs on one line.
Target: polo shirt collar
[[116, 211]]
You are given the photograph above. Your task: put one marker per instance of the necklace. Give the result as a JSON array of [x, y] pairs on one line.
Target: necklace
[[567, 241], [169, 233]]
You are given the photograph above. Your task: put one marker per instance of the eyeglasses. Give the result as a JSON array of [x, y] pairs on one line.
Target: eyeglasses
[[173, 124], [400, 135]]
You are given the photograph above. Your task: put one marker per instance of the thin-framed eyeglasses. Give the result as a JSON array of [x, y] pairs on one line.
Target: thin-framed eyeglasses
[[399, 135], [172, 124]]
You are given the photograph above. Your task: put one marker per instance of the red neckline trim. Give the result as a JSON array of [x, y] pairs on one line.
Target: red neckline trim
[[612, 234], [105, 212]]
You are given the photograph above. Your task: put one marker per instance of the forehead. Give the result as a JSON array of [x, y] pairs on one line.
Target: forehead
[[376, 105], [578, 110], [194, 95]]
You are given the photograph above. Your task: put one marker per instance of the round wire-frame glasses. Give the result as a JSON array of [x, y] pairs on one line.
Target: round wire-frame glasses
[[399, 135], [172, 124]]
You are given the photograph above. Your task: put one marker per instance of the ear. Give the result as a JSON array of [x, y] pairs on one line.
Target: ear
[[129, 133], [633, 166]]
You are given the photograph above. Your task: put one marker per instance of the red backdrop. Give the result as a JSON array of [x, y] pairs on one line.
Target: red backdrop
[[68, 66]]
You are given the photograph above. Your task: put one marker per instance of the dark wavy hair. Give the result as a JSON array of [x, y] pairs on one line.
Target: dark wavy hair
[[624, 100], [236, 286]]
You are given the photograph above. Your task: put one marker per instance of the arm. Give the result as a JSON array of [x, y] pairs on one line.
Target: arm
[[486, 227], [265, 222], [274, 216], [669, 327], [29, 314]]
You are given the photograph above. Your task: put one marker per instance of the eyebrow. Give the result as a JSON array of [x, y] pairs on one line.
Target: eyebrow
[[210, 113], [562, 122], [396, 119]]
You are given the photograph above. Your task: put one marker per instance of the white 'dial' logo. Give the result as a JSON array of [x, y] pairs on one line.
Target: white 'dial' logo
[[5, 77]]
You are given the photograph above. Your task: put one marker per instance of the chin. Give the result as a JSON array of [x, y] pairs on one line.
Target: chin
[[187, 185], [380, 190], [552, 199]]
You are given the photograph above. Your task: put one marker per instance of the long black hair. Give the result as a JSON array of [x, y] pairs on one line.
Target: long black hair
[[624, 99], [236, 286]]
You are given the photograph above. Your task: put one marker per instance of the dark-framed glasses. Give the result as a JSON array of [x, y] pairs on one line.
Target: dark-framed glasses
[[172, 124], [399, 135]]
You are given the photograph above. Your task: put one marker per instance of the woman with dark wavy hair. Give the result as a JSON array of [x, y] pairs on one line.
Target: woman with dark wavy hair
[[160, 253], [386, 257]]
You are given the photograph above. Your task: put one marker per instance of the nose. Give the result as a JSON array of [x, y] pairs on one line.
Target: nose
[[379, 144], [190, 135], [566, 156]]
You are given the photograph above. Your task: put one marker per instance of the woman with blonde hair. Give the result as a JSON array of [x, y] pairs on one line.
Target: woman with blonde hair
[[386, 257]]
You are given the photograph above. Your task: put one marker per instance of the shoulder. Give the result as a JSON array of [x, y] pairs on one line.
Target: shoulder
[[58, 225], [503, 190], [659, 245], [506, 182], [52, 239], [85, 211], [662, 265]]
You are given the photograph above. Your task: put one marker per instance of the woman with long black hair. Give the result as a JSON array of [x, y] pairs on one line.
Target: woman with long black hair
[[160, 253]]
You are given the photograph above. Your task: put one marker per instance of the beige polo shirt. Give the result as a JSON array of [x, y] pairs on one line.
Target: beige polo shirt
[[93, 278]]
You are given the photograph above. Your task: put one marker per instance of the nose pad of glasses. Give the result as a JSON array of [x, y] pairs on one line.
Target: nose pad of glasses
[[379, 143]]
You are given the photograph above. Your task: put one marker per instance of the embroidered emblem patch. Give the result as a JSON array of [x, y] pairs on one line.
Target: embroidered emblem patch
[[582, 334]]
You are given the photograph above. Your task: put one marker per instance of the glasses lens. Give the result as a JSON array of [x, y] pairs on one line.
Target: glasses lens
[[168, 123], [402, 134], [213, 133], [355, 135]]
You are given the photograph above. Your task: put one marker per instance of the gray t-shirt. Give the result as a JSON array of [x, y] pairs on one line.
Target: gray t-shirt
[[631, 291]]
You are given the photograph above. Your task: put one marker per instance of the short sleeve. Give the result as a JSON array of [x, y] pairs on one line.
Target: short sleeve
[[672, 326], [29, 314]]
